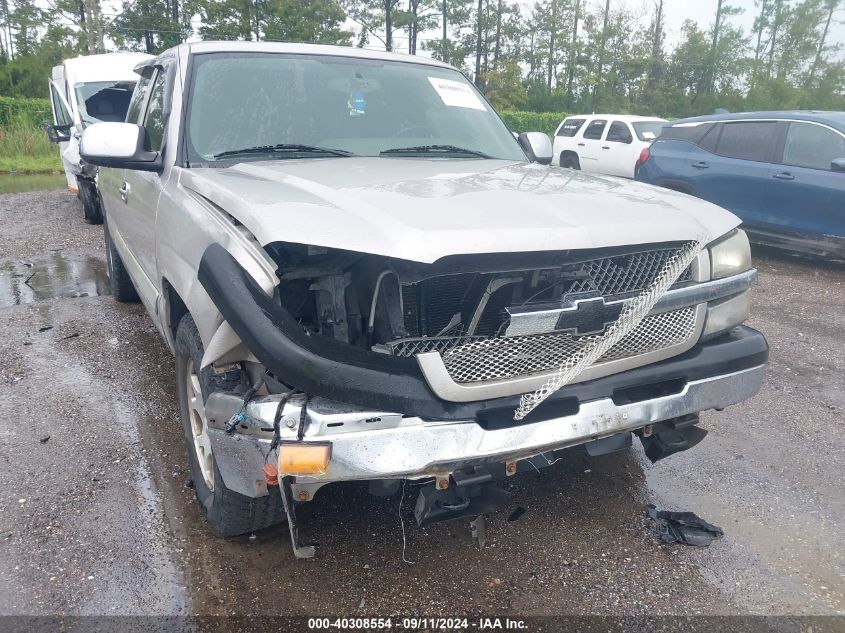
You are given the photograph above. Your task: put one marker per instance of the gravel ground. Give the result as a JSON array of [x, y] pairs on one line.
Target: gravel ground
[[97, 515]]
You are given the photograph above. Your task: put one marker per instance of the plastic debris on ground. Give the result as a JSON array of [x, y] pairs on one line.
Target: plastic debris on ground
[[686, 528]]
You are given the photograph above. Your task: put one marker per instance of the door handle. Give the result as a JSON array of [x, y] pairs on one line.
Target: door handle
[[700, 165], [124, 191], [784, 175], [581, 144]]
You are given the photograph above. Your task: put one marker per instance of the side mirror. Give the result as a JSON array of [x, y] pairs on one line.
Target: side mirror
[[538, 147], [56, 133], [121, 145], [838, 164]]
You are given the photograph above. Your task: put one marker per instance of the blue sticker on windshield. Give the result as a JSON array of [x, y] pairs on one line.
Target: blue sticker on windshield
[[357, 104]]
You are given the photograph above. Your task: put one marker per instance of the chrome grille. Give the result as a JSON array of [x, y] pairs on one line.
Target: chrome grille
[[430, 304], [488, 356], [484, 359], [621, 274], [411, 346]]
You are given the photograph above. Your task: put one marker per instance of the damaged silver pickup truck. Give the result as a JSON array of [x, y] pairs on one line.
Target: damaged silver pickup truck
[[363, 275]]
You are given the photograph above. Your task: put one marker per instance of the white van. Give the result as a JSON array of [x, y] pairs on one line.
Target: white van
[[84, 90], [604, 143]]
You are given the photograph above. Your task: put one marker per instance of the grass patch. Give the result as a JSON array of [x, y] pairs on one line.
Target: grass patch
[[25, 148]]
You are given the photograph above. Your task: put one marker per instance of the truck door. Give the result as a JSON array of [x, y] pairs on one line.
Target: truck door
[[131, 197], [140, 190], [61, 129], [616, 154], [589, 147]]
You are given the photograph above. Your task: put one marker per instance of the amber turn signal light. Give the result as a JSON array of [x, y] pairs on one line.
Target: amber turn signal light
[[304, 458]]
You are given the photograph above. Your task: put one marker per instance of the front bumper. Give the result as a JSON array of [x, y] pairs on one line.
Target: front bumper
[[324, 367], [380, 445]]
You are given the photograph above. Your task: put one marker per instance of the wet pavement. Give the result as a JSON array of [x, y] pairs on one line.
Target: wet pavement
[[52, 276], [97, 515]]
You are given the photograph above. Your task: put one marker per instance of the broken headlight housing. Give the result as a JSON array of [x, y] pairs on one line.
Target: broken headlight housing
[[730, 255]]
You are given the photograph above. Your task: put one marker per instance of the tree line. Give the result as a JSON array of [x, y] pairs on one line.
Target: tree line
[[551, 56]]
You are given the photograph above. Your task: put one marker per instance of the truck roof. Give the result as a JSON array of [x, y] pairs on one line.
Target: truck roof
[[307, 49], [105, 67], [629, 118]]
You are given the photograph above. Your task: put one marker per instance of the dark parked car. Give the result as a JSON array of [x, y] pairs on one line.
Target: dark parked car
[[782, 173]]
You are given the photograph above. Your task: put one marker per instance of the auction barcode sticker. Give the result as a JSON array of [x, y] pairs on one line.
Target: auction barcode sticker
[[456, 94]]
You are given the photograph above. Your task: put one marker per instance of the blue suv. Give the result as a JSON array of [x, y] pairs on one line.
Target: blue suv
[[782, 173]]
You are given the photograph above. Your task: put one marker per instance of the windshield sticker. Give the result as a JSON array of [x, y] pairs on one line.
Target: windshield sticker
[[356, 104], [456, 94], [649, 135]]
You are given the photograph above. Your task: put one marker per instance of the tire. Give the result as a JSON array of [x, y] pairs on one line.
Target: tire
[[228, 513], [90, 200], [569, 161], [122, 288]]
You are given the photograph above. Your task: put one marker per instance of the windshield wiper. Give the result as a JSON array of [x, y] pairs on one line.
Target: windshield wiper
[[293, 148], [435, 150]]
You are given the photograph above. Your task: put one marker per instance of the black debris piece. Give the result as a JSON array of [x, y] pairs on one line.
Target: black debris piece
[[45, 328], [516, 513], [45, 439], [74, 335], [683, 527]]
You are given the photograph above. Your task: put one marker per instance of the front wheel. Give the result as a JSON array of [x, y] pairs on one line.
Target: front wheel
[[228, 513], [90, 200]]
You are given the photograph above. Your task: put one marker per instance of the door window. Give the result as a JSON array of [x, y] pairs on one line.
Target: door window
[[136, 103], [570, 127], [619, 133], [748, 140], [813, 146], [155, 121], [594, 130], [60, 111]]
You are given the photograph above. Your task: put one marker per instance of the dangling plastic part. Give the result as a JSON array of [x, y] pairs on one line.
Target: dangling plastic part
[[632, 315]]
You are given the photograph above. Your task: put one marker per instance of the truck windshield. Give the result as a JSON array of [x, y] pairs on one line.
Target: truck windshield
[[103, 100], [348, 106]]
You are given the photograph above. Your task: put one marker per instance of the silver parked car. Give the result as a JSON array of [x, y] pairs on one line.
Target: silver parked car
[[364, 276]]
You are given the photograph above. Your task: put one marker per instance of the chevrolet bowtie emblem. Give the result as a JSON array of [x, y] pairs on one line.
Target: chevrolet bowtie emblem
[[580, 316]]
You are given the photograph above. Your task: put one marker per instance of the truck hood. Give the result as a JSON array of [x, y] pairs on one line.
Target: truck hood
[[423, 209]]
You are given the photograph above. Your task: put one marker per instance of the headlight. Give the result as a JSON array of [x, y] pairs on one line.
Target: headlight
[[730, 255]]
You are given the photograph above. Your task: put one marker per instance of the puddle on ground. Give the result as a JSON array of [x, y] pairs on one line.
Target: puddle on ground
[[19, 183], [51, 276]]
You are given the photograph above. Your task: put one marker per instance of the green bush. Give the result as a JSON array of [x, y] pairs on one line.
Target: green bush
[[24, 146], [31, 111], [520, 122]]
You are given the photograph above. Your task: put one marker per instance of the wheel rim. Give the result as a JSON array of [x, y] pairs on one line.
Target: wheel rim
[[199, 425]]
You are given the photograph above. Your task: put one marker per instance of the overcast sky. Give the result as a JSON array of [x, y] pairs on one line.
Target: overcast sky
[[675, 12], [704, 12]]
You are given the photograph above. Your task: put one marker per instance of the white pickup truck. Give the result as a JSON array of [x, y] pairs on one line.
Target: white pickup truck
[[84, 90], [364, 276]]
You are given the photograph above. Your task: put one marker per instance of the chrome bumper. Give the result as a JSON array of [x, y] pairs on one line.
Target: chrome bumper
[[380, 445]]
